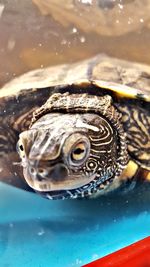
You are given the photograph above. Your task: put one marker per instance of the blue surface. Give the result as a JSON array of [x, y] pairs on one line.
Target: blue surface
[[41, 233]]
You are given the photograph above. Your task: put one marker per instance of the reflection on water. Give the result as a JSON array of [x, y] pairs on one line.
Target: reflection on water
[[30, 40], [104, 17]]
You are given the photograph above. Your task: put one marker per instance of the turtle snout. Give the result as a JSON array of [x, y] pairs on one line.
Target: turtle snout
[[44, 178], [55, 174]]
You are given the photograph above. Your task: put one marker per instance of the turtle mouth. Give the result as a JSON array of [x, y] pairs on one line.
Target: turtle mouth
[[98, 184]]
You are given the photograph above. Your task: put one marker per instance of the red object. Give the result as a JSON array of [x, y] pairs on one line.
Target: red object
[[135, 255]]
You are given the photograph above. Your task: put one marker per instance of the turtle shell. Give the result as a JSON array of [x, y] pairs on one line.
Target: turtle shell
[[126, 79], [127, 83], [123, 80]]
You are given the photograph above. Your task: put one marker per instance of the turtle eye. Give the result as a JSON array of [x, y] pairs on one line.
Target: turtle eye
[[79, 152], [76, 149], [20, 149]]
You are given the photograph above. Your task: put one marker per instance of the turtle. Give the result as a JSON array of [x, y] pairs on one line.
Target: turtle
[[80, 129]]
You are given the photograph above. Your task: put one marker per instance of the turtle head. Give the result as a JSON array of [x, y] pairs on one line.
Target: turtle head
[[69, 155]]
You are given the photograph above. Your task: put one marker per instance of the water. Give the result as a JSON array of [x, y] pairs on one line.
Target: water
[[37, 232], [29, 40]]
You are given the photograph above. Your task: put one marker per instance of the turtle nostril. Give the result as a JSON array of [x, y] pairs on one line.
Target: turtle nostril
[[32, 170], [41, 171]]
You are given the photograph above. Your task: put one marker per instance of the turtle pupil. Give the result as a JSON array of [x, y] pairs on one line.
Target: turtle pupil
[[21, 147], [78, 151]]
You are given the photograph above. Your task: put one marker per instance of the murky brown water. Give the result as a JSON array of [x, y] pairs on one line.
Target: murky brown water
[[30, 40]]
